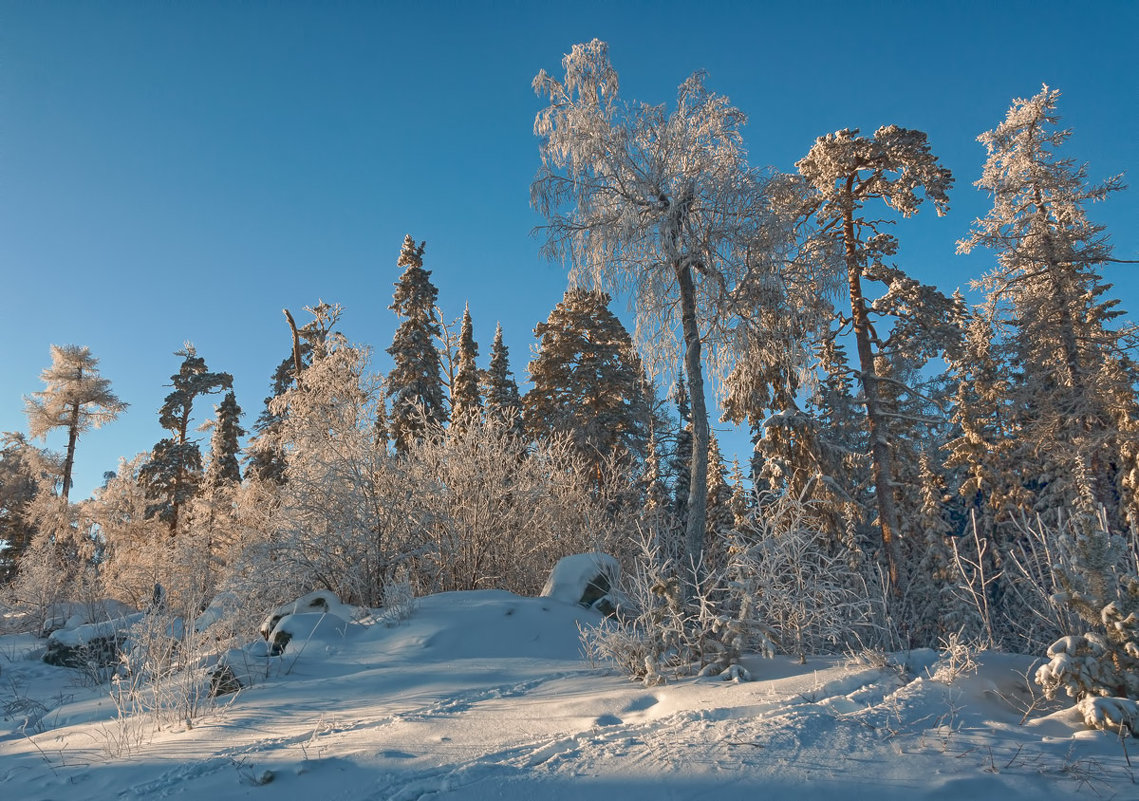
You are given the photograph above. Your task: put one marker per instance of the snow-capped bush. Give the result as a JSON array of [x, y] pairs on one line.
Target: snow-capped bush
[[1099, 668]]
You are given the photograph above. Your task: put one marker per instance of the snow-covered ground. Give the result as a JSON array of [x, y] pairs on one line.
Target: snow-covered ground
[[484, 695]]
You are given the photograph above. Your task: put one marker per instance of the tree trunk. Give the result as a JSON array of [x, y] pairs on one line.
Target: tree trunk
[[69, 461], [698, 488], [879, 445]]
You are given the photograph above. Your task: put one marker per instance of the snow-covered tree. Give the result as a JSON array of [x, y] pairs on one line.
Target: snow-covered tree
[[846, 171], [679, 473], [224, 468], [76, 398], [174, 472], [266, 458], [414, 384], [466, 402], [1072, 398], [661, 205], [503, 401], [23, 468], [586, 380]]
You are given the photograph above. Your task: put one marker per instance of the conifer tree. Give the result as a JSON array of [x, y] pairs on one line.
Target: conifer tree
[[847, 170], [679, 474], [720, 516], [1072, 395], [173, 474], [466, 403], [77, 398], [414, 384], [266, 457], [224, 468], [503, 401], [587, 380]]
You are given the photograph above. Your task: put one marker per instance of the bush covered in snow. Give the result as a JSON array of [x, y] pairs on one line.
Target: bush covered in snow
[[1098, 577]]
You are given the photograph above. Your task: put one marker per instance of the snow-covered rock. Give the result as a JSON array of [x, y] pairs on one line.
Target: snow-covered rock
[[73, 614], [323, 602], [586, 579], [91, 644]]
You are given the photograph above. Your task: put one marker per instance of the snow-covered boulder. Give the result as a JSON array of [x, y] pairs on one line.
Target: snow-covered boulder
[[586, 579], [322, 602], [302, 617], [73, 614], [91, 644]]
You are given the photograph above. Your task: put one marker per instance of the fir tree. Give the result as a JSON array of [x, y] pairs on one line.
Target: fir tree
[[503, 401], [721, 519], [77, 398], [173, 474], [678, 472], [414, 385], [466, 403], [587, 381], [224, 469]]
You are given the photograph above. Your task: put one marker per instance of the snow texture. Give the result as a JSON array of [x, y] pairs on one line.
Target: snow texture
[[483, 695]]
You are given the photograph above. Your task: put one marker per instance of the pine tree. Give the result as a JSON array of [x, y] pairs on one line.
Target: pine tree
[[76, 398], [466, 403], [587, 381], [503, 401], [414, 385], [1072, 393], [173, 474], [847, 170], [224, 468]]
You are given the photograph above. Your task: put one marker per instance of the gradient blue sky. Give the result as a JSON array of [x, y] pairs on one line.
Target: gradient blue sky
[[175, 171]]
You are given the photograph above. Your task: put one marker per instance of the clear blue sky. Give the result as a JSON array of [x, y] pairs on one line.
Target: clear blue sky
[[184, 170]]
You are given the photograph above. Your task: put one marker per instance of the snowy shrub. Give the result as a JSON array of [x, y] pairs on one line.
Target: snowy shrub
[[399, 598], [504, 511], [958, 658], [673, 623], [1097, 577], [800, 584]]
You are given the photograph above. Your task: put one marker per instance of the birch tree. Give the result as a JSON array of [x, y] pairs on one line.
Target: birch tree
[[660, 205]]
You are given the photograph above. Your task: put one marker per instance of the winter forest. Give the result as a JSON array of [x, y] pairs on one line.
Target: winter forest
[[925, 471]]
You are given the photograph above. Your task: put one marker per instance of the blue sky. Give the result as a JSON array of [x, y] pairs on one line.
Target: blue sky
[[183, 171]]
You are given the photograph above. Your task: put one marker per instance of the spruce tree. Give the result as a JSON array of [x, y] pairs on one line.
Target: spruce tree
[[415, 384], [587, 381], [503, 401], [224, 468], [466, 402], [679, 474]]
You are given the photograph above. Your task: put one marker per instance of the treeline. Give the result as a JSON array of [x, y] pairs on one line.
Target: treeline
[[926, 468]]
